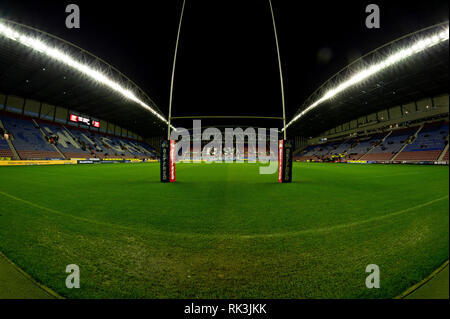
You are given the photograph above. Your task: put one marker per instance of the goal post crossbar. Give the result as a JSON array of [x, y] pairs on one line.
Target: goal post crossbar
[[283, 118], [227, 117]]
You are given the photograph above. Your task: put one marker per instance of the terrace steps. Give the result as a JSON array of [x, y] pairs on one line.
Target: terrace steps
[[344, 142], [11, 146], [69, 132], [444, 153], [406, 144], [375, 145], [45, 135]]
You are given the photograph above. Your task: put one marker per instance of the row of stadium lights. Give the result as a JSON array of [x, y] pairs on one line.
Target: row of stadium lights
[[397, 57], [60, 56]]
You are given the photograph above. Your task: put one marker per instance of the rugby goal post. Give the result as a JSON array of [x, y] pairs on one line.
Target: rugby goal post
[[167, 147]]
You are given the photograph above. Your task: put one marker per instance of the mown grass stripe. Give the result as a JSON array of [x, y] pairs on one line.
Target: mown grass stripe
[[287, 234]]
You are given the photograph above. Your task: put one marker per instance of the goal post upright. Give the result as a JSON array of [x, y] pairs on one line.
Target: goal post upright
[[173, 69], [285, 147], [167, 159], [283, 104], [167, 149]]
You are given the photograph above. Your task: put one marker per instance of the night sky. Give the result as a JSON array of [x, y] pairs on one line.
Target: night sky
[[227, 62]]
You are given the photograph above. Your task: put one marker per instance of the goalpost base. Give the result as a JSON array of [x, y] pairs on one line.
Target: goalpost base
[[285, 159], [167, 161]]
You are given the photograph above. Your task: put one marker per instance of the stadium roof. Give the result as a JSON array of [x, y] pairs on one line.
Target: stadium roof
[[97, 89], [26, 72], [421, 74]]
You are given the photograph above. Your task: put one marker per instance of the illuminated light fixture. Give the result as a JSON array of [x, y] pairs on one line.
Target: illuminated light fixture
[[62, 57], [397, 57]]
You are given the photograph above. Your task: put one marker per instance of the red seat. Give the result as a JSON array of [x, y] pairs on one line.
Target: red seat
[[25, 155], [419, 156]]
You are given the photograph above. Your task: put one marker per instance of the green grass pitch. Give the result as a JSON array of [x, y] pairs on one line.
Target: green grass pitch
[[224, 231]]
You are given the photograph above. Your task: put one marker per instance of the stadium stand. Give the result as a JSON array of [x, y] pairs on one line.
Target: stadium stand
[[142, 150], [321, 152], [27, 139], [328, 148], [104, 145], [110, 146], [390, 146], [41, 139], [428, 145], [308, 153], [343, 147], [417, 143], [363, 145], [64, 141]]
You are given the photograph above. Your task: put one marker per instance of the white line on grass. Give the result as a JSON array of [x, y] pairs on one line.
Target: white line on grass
[[231, 236]]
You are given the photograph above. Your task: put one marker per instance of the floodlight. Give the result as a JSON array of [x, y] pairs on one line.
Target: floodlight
[[56, 54], [395, 58]]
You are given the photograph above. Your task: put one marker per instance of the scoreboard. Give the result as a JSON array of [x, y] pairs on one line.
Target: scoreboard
[[84, 120]]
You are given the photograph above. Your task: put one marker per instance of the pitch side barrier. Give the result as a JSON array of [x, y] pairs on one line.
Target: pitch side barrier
[[35, 162], [112, 160], [399, 162], [71, 162], [382, 162]]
